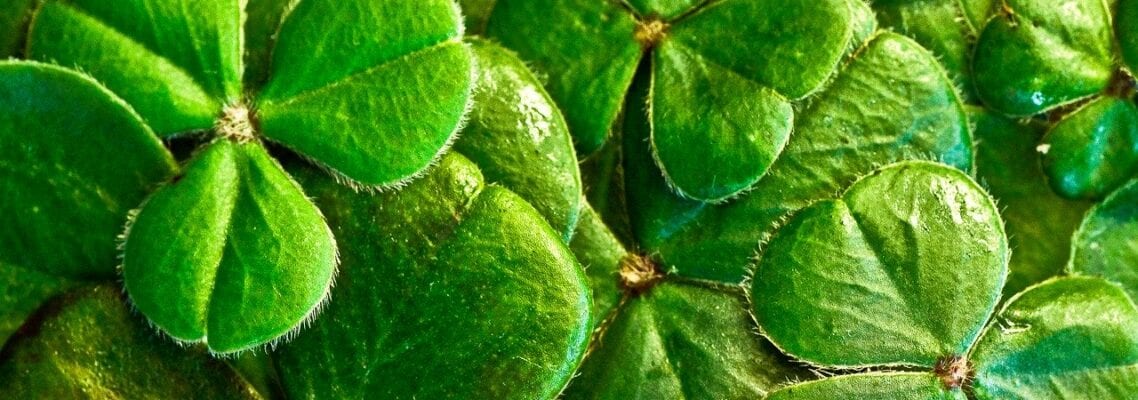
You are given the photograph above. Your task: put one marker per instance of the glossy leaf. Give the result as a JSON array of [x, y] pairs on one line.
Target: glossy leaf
[[917, 114], [680, 341], [903, 268], [477, 292], [1065, 338], [88, 344], [230, 253], [14, 25], [176, 62], [587, 49], [1093, 150], [714, 132], [1039, 223], [1105, 243], [1043, 54], [64, 200], [518, 137], [1126, 29], [874, 385]]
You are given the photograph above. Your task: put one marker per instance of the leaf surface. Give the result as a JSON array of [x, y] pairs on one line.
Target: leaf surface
[[1104, 245], [1093, 150], [876, 385]]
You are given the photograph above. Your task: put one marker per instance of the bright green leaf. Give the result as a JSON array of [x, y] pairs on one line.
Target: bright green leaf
[[75, 160], [680, 341], [379, 127], [714, 132], [586, 47], [1094, 149], [519, 138], [1105, 244], [903, 268], [230, 253], [663, 9], [917, 115], [1068, 338], [448, 279], [1039, 222], [177, 62], [874, 385], [88, 344], [1042, 54]]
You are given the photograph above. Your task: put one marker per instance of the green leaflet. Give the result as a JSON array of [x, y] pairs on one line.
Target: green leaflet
[[885, 245], [721, 99], [883, 385], [1104, 245], [1094, 149], [88, 344], [948, 28], [178, 84], [231, 253], [64, 202], [1070, 337], [519, 138], [1065, 338], [600, 253], [918, 115], [1039, 223], [262, 21], [680, 340], [13, 26], [1039, 55], [482, 319]]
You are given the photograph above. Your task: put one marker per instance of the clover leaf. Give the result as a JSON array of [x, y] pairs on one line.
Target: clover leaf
[[478, 289], [1061, 58], [724, 75], [86, 343], [1104, 245], [901, 274], [245, 255]]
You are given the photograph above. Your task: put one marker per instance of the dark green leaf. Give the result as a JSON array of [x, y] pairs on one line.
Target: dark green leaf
[[874, 385], [75, 160], [231, 253], [262, 20], [1126, 29], [1093, 150], [1105, 244], [917, 114], [1039, 222], [714, 132], [13, 26], [680, 341], [664, 9], [903, 268], [448, 289], [518, 137], [1067, 338], [88, 344], [22, 291], [588, 49], [1041, 54], [600, 253], [177, 62]]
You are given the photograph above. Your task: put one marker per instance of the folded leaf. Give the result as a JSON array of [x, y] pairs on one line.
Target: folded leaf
[[88, 344], [1094, 149], [903, 268], [447, 279], [230, 253], [1042, 54], [65, 200]]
